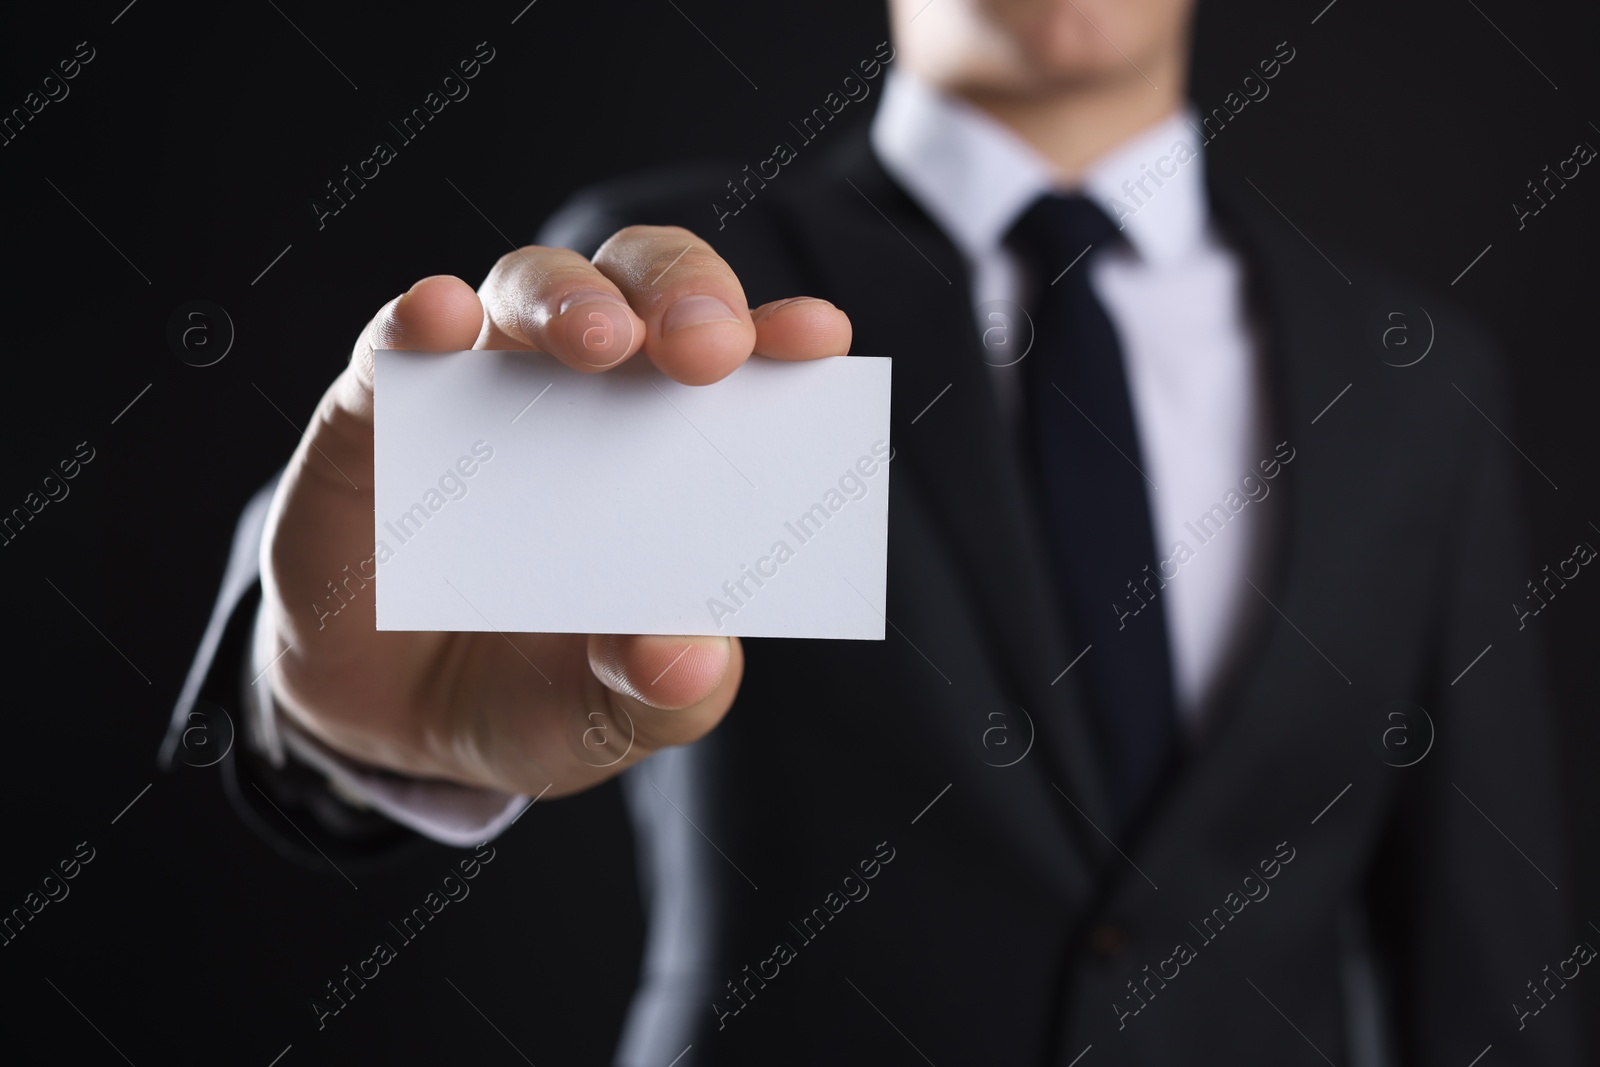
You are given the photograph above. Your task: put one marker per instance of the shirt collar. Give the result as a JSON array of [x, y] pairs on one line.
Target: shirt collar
[[975, 177]]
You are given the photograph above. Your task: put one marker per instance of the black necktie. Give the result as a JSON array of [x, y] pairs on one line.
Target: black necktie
[[1081, 435]]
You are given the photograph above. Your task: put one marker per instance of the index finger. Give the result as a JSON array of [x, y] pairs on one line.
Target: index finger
[[554, 300]]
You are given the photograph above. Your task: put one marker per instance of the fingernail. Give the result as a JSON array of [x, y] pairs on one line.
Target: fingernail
[[695, 311], [587, 296]]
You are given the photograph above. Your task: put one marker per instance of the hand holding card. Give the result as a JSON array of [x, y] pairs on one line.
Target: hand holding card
[[560, 554]]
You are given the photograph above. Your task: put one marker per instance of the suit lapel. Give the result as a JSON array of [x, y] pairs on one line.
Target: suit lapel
[[907, 292], [1296, 339], [1283, 343]]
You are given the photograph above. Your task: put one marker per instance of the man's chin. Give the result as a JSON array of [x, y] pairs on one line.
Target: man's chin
[[1037, 75]]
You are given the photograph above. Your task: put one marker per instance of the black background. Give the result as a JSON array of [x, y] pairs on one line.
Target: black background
[[191, 149]]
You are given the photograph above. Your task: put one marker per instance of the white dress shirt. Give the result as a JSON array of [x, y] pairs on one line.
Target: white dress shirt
[[1175, 295]]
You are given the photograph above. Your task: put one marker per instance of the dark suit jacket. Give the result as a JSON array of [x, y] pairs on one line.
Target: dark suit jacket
[[894, 881]]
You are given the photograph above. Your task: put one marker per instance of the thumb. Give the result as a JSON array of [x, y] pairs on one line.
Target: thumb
[[674, 689]]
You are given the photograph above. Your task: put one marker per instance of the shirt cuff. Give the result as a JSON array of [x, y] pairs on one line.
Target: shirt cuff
[[446, 812]]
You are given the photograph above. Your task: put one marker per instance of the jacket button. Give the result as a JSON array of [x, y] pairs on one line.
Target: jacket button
[[1107, 940]]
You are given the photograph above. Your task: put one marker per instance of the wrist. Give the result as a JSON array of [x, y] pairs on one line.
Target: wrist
[[445, 811]]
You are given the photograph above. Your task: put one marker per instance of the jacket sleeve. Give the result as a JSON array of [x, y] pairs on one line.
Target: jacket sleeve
[[291, 805], [1470, 893]]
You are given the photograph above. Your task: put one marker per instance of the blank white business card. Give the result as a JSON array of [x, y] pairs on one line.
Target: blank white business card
[[516, 494]]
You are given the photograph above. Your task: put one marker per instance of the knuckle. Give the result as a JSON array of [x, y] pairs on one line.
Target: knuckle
[[640, 233], [564, 277], [510, 261], [524, 285], [632, 248], [679, 264]]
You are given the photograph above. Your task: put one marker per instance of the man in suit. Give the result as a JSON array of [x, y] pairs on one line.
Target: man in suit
[[1177, 751]]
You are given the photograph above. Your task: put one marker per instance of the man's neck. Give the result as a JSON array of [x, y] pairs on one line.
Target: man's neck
[[1072, 127]]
